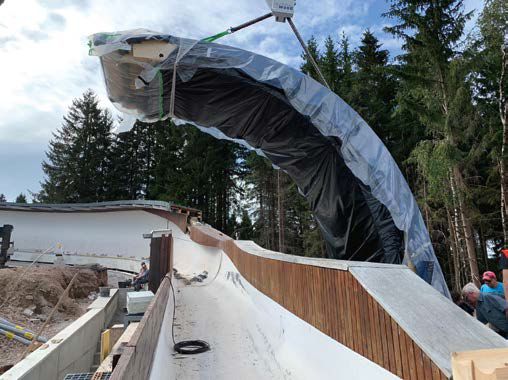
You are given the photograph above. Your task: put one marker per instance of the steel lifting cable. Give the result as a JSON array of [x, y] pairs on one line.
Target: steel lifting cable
[[293, 28], [231, 30], [215, 37], [307, 52]]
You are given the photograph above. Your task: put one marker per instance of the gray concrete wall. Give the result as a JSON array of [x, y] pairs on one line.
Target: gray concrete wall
[[72, 349]]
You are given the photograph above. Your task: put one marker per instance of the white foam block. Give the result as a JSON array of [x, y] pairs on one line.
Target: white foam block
[[137, 302]]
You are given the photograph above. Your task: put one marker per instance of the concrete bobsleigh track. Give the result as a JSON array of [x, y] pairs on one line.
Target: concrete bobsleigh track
[[265, 315], [251, 336]]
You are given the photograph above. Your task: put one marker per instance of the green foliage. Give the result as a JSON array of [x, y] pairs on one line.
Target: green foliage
[[307, 66], [21, 198], [78, 156], [435, 108]]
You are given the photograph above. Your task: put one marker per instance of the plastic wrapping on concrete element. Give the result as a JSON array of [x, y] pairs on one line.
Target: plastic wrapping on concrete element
[[137, 302], [358, 195]]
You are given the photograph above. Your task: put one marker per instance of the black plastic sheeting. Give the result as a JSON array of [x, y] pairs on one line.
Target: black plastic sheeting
[[356, 226], [360, 199]]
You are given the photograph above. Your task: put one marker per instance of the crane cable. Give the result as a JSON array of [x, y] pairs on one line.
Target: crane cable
[[293, 28], [215, 37]]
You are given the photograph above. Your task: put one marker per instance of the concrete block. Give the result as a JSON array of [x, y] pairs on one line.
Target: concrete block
[[137, 302], [47, 369]]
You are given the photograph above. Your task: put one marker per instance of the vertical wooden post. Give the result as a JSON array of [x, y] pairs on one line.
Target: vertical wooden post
[[105, 344], [161, 259]]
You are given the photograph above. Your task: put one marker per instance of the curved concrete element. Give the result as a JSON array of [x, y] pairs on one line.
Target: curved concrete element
[[383, 312], [252, 336], [109, 234]]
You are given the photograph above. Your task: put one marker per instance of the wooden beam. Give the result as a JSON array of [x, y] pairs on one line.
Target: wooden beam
[[153, 50], [480, 364]]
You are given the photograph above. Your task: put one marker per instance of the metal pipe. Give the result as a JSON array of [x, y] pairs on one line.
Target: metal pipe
[[20, 331], [11, 335], [307, 52], [7, 322], [251, 22]]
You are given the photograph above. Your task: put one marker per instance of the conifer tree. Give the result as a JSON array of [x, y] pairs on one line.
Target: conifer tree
[[345, 74], [329, 63], [435, 92], [78, 156], [21, 198], [373, 89], [307, 66]]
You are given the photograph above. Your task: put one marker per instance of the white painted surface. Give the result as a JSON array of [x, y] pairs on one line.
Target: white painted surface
[[113, 238], [112, 233], [252, 337], [137, 302]]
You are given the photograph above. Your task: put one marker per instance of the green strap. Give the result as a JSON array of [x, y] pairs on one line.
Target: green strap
[[216, 36], [161, 95]]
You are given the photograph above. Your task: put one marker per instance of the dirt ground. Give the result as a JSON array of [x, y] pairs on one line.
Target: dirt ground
[[28, 301]]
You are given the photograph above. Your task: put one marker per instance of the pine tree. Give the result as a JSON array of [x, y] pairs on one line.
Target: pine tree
[[3, 199], [245, 229], [373, 89], [78, 156], [345, 73], [21, 198], [434, 90], [491, 85], [307, 66], [329, 63]]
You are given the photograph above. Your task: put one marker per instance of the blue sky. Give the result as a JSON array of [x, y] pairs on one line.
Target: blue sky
[[44, 61]]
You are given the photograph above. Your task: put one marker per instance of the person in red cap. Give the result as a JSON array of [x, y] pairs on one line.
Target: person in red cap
[[491, 285]]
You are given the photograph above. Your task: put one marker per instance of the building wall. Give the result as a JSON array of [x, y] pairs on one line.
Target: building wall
[[109, 233]]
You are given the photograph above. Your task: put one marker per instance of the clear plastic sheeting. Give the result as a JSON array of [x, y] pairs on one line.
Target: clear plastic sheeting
[[358, 195]]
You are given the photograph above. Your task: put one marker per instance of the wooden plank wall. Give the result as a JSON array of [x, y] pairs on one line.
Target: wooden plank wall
[[161, 260], [136, 359], [334, 302]]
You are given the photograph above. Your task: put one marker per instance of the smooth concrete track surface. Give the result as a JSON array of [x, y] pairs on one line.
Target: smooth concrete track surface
[[251, 336]]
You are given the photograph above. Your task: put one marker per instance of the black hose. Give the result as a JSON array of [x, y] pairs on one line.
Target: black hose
[[187, 347], [191, 347]]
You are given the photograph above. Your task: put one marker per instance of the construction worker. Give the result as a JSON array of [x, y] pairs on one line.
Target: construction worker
[[491, 285], [141, 278], [490, 308]]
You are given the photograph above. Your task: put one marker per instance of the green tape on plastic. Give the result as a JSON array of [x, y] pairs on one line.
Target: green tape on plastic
[[216, 36]]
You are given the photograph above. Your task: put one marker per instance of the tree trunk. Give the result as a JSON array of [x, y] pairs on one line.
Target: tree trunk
[[459, 186], [455, 253], [503, 114], [483, 247]]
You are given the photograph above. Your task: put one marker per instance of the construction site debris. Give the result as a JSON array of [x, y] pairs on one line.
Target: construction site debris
[[28, 302]]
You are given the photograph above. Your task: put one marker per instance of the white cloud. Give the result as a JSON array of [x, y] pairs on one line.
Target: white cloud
[[45, 64]]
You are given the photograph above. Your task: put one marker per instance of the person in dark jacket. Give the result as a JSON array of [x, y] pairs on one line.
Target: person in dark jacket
[[457, 300], [141, 278], [490, 308]]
